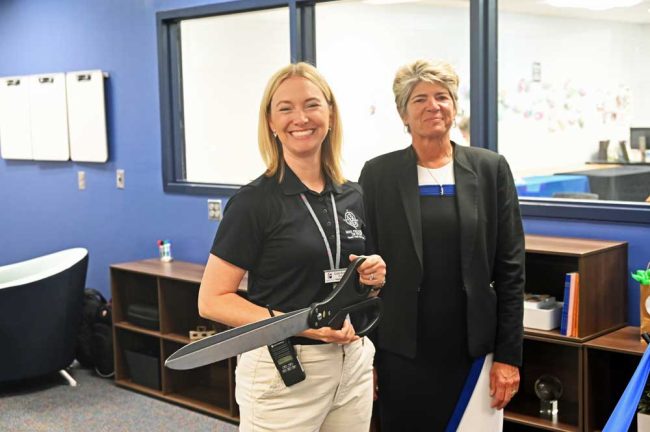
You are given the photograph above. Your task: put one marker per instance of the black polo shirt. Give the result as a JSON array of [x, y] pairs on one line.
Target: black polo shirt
[[268, 230]]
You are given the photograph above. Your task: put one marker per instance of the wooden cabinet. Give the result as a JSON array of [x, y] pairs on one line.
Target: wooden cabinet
[[602, 266], [171, 289], [610, 362]]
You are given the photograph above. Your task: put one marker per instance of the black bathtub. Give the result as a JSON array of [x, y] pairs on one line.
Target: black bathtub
[[40, 311]]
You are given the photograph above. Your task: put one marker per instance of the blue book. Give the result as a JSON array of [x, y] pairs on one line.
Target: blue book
[[565, 304]]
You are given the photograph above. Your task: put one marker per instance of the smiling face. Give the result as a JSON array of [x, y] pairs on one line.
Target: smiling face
[[430, 111], [300, 115]]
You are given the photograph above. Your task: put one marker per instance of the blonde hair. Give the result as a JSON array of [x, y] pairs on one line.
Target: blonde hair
[[409, 75], [271, 149]]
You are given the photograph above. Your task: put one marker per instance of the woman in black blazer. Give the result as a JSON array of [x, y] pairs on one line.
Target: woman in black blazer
[[446, 220]]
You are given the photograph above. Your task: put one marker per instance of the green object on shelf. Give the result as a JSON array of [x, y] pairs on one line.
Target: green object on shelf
[[642, 276]]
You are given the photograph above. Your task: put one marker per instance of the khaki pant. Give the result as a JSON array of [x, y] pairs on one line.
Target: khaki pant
[[336, 396]]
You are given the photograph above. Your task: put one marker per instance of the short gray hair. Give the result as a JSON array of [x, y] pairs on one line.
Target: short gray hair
[[409, 75]]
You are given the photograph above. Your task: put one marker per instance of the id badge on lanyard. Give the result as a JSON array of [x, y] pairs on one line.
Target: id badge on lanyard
[[334, 274]]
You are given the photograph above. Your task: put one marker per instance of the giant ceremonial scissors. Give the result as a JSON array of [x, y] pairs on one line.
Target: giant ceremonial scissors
[[348, 296]]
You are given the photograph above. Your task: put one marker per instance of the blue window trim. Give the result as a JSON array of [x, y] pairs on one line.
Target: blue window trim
[[303, 31], [483, 72], [597, 211]]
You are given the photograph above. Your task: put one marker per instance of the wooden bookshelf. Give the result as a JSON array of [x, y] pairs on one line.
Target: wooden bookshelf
[[610, 362], [602, 266], [172, 288]]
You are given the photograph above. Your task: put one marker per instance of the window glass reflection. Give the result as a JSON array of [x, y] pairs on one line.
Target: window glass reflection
[[574, 105]]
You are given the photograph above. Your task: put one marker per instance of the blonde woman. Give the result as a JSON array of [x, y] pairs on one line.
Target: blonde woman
[[290, 228]]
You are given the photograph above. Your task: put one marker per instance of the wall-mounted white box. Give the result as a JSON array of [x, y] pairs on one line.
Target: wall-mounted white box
[[15, 125], [48, 112], [543, 319], [87, 116]]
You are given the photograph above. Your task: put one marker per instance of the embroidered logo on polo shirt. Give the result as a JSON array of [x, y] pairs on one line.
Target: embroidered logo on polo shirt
[[351, 219]]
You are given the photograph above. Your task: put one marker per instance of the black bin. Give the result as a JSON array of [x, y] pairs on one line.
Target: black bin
[[144, 369], [143, 315]]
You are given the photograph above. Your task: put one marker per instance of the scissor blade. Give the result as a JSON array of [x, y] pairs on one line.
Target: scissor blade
[[238, 340]]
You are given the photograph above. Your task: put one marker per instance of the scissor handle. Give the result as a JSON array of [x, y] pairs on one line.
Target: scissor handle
[[371, 305], [348, 293]]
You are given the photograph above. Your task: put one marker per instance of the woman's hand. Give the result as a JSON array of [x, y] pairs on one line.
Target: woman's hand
[[504, 384], [372, 272], [327, 334]]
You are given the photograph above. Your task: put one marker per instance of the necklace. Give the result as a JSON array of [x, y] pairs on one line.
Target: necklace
[[435, 179], [442, 189]]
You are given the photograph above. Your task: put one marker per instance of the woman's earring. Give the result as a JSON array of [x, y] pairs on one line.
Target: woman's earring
[[275, 134], [406, 128]]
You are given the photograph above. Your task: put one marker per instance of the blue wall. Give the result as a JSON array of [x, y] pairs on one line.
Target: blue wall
[[42, 211], [41, 208]]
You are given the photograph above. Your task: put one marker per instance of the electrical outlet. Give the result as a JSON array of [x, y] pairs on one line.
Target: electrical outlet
[[81, 180], [214, 209], [119, 178]]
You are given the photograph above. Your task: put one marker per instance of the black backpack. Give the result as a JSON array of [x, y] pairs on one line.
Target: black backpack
[[95, 338]]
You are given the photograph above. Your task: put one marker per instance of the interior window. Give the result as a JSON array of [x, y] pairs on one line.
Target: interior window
[[222, 85], [574, 111]]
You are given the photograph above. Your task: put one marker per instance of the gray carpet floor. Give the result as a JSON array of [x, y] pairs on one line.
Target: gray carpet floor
[[96, 404]]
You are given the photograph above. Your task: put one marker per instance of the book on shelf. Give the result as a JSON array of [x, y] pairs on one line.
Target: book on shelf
[[569, 322], [565, 305], [572, 293], [575, 289]]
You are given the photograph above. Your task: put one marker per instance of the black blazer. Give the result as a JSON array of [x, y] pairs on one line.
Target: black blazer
[[492, 249]]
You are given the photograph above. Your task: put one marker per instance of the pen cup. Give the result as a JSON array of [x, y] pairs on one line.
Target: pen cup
[[165, 251]]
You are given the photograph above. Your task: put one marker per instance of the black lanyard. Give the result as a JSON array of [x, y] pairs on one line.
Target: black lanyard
[[322, 232]]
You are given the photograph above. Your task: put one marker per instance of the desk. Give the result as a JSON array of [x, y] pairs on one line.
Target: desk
[[599, 162], [621, 183], [547, 185]]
